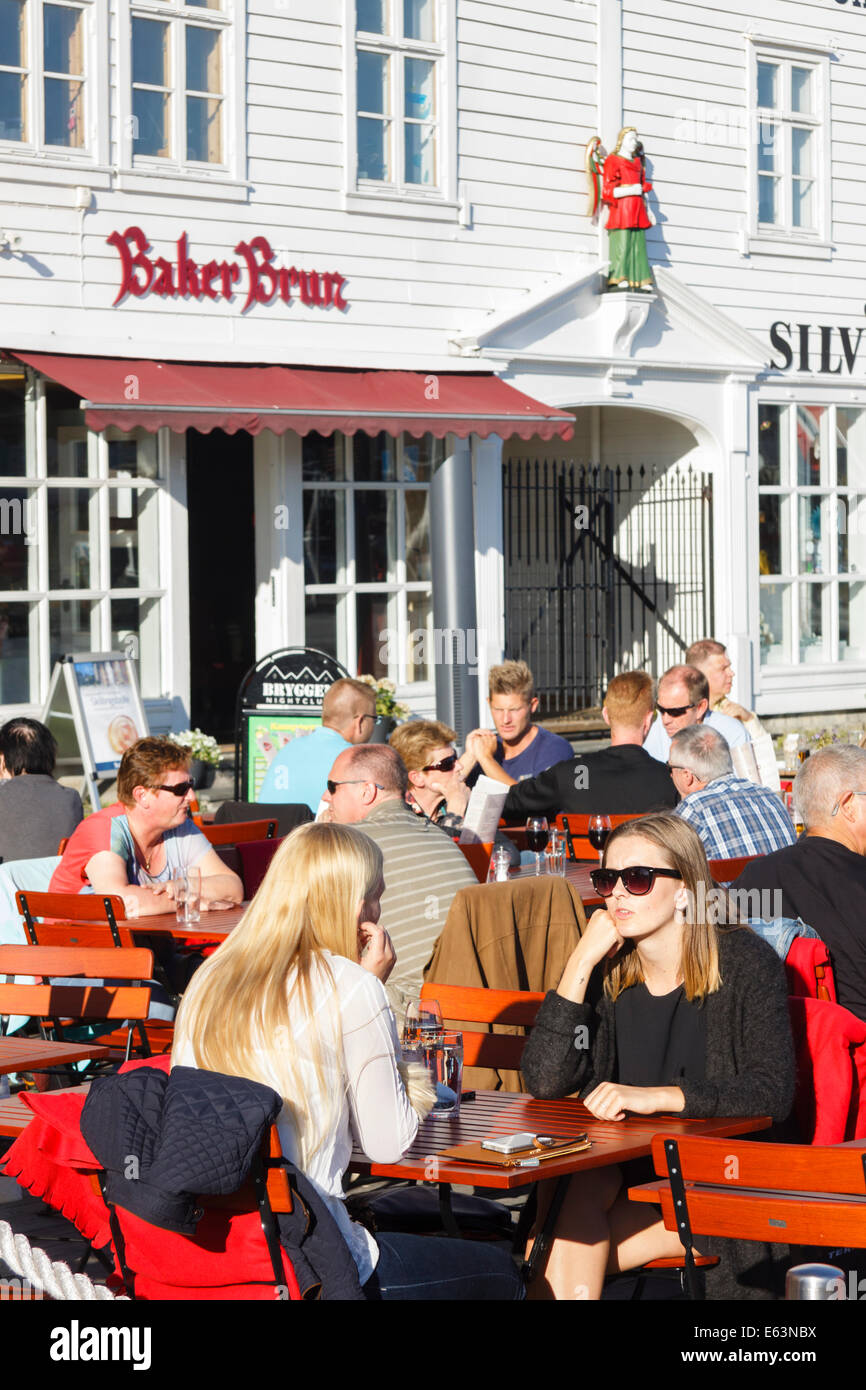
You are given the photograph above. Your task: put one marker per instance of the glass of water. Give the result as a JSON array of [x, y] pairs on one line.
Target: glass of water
[[187, 896], [445, 1061]]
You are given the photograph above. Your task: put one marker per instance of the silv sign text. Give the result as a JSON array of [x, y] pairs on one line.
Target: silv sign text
[[184, 278], [816, 347]]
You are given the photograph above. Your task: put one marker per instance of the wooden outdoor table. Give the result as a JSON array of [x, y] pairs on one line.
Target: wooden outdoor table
[[498, 1112], [213, 926], [576, 873], [33, 1054]]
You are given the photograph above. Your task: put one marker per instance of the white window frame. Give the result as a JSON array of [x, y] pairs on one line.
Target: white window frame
[[398, 198], [94, 153], [786, 240], [176, 174]]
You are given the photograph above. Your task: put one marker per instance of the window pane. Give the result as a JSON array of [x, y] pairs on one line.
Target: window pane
[[811, 538], [809, 444], [372, 621], [372, 82], [12, 107], [802, 145], [323, 457], [375, 536], [849, 520], [13, 460], [150, 52], [151, 116], [768, 199], [768, 74], [71, 522], [202, 59], [136, 629], [371, 16], [852, 622], [375, 458], [321, 623], [850, 447], [801, 90], [773, 514], [132, 455], [67, 435], [419, 652], [811, 622], [769, 445], [421, 457], [17, 535], [204, 129], [419, 77], [418, 19], [62, 40], [775, 624], [767, 141], [64, 113], [324, 536], [417, 535], [420, 154], [15, 653], [13, 44], [803, 203], [134, 538], [206, 4], [373, 161], [72, 627]]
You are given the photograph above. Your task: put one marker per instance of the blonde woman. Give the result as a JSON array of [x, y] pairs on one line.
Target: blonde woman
[[690, 1018], [294, 998]]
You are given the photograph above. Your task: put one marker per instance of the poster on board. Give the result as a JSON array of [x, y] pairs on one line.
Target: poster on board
[[95, 712]]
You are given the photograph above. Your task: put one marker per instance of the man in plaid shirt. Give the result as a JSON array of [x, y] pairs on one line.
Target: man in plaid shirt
[[733, 816]]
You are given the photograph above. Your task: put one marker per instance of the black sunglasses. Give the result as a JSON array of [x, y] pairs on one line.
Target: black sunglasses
[[332, 785], [637, 879], [178, 788], [446, 765], [676, 710]]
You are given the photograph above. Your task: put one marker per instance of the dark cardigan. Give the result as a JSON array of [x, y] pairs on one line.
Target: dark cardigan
[[750, 1067]]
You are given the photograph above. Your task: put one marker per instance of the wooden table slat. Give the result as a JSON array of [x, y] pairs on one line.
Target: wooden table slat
[[31, 1054]]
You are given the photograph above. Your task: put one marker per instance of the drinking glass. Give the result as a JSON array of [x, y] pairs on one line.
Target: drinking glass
[[187, 896], [445, 1061], [599, 829], [537, 835], [556, 853], [422, 1023], [500, 865]]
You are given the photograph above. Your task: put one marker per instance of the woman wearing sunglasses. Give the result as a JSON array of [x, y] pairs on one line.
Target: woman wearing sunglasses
[[136, 847], [659, 1011]]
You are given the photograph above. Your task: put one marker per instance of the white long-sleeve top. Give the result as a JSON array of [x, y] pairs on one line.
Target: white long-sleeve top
[[369, 1101]]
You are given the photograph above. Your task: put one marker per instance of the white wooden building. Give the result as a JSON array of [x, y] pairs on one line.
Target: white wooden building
[[396, 186]]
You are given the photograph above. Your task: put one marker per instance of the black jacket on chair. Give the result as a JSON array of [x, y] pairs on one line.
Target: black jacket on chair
[[613, 781]]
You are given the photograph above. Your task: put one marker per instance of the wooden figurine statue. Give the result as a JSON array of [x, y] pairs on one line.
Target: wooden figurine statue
[[619, 181]]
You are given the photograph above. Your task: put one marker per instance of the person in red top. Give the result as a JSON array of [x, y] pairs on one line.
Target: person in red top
[[623, 188], [137, 847]]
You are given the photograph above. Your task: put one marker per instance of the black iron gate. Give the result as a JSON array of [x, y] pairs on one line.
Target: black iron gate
[[606, 569]]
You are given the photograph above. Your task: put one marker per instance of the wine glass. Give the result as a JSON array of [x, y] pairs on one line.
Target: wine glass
[[422, 1023], [598, 831], [537, 835]]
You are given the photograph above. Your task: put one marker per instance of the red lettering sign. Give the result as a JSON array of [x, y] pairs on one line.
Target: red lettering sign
[[183, 278]]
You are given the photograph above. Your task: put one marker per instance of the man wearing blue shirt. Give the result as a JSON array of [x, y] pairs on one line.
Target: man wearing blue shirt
[[519, 748], [300, 771], [684, 698]]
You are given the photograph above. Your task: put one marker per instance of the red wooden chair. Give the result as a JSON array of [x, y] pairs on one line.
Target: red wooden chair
[[726, 870], [255, 857], [77, 918], [239, 832], [478, 858]]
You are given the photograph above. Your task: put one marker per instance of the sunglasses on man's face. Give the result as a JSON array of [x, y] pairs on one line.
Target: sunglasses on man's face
[[176, 788], [675, 711], [446, 765], [637, 879], [349, 781]]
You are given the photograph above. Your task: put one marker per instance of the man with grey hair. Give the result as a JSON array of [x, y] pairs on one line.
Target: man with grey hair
[[822, 878], [423, 868], [732, 815]]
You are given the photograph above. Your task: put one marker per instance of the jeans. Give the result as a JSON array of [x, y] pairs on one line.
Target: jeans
[[434, 1267]]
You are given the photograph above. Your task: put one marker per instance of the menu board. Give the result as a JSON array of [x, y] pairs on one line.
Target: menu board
[[95, 712], [267, 734]]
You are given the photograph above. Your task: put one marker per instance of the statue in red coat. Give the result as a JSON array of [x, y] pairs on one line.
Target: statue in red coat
[[619, 181]]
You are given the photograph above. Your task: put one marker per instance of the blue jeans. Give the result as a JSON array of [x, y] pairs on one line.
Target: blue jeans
[[434, 1267]]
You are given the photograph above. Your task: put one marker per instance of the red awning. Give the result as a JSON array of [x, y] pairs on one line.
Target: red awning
[[132, 393]]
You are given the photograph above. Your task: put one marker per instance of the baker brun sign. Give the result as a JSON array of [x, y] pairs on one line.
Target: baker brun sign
[[181, 278]]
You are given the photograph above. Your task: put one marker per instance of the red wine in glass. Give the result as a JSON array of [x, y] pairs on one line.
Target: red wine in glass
[[537, 836], [598, 837]]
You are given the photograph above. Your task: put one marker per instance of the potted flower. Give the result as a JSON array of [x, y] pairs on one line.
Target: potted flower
[[390, 712], [205, 756]]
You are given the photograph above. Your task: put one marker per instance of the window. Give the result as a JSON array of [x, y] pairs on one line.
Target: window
[[80, 557], [43, 80], [178, 84], [812, 528], [789, 106], [367, 551], [400, 139]]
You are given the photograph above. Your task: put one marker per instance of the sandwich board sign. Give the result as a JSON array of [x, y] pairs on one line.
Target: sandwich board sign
[[94, 711], [280, 698]]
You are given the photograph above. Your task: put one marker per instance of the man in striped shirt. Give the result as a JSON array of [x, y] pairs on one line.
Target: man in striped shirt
[[733, 816], [423, 867]]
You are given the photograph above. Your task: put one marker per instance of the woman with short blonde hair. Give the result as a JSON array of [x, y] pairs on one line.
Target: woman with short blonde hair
[[294, 999]]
